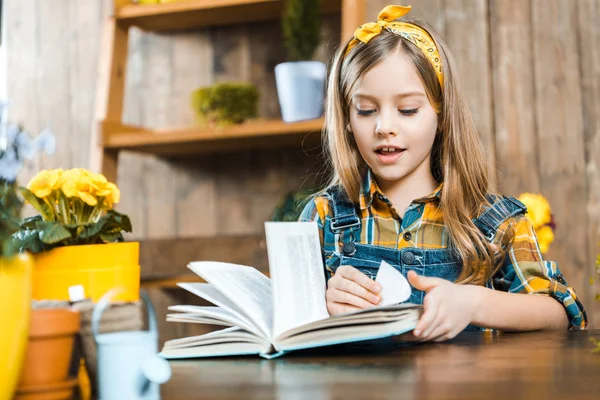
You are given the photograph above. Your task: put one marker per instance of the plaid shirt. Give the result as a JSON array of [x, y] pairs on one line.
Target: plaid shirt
[[523, 271]]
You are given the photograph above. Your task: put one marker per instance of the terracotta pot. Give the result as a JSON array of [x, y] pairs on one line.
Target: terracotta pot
[[52, 391], [49, 351], [98, 268], [15, 296]]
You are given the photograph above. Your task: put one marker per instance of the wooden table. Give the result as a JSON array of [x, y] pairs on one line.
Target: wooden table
[[538, 365]]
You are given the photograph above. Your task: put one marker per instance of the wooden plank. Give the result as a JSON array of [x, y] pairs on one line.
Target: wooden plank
[[134, 190], [196, 202], [472, 56], [354, 14], [109, 93], [433, 12], [205, 13], [589, 65], [561, 138], [165, 258], [196, 139], [52, 83], [514, 97], [232, 62], [161, 190], [85, 23], [21, 41]]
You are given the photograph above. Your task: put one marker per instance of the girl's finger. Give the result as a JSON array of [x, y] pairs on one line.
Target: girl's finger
[[337, 308], [451, 335], [339, 296], [428, 317], [439, 333], [363, 280], [354, 288]]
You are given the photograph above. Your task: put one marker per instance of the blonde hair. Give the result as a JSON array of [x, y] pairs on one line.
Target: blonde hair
[[457, 156]]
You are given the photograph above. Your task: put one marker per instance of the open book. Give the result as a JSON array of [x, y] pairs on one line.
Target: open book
[[287, 312]]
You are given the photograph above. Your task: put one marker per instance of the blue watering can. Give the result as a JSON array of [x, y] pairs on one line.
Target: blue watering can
[[128, 363]]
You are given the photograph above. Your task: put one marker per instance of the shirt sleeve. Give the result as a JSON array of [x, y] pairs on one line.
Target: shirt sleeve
[[317, 210], [525, 271]]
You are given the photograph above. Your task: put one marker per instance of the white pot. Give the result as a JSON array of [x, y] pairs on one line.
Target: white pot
[[300, 88]]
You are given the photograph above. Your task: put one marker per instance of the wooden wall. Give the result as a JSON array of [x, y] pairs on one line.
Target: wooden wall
[[531, 68]]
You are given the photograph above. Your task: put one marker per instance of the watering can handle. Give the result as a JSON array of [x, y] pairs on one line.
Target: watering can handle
[[105, 302]]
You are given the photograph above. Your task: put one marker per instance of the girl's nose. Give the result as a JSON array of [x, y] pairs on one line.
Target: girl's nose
[[386, 124]]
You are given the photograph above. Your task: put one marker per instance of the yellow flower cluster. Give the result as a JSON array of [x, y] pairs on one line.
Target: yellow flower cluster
[[540, 215], [75, 183]]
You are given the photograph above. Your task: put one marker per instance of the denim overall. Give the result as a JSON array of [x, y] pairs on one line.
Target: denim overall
[[345, 227]]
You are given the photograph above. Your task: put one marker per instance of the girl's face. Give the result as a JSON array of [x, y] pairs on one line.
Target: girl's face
[[393, 123]]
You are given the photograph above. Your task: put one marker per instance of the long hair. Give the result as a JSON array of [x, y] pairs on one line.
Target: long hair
[[457, 156]]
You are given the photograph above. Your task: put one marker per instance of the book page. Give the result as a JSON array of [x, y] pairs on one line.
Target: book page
[[213, 314], [244, 286], [394, 286], [297, 274]]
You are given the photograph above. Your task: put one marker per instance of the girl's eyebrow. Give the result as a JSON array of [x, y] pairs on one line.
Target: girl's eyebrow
[[399, 95]]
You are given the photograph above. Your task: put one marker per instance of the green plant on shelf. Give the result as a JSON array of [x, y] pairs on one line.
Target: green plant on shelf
[[291, 205], [301, 25], [225, 103]]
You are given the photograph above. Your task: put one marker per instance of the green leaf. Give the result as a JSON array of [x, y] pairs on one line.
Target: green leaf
[[53, 232], [39, 206], [27, 240], [31, 222], [112, 237], [93, 229], [121, 220]]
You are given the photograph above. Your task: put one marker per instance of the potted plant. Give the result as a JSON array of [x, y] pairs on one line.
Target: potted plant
[[15, 269], [225, 103], [540, 215], [16, 146], [300, 81], [15, 293], [50, 366], [77, 238]]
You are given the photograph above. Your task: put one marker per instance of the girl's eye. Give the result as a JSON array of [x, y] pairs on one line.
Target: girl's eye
[[409, 112], [364, 112]]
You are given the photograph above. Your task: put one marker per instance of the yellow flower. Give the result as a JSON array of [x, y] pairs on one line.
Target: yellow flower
[[45, 182], [545, 237], [112, 196], [99, 181], [78, 183], [538, 209]]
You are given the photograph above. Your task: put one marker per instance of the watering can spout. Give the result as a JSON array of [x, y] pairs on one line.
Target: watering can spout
[[156, 370]]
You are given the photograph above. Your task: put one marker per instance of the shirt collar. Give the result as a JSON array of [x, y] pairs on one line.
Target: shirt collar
[[370, 189]]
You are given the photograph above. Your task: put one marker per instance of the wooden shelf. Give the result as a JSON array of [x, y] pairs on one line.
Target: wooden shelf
[[188, 14], [196, 140], [166, 260]]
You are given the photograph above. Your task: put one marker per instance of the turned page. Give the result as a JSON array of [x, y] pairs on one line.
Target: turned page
[[245, 287], [297, 274]]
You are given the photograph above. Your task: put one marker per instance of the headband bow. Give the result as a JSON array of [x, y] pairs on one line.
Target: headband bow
[[413, 33]]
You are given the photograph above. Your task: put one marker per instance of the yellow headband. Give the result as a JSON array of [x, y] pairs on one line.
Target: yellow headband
[[414, 34]]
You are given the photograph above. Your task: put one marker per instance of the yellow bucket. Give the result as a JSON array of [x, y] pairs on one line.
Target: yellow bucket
[[15, 296], [98, 268]]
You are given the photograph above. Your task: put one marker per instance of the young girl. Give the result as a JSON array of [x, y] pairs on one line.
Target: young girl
[[410, 187]]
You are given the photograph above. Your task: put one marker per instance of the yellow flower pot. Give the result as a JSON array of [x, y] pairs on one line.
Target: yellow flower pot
[[15, 297], [99, 268]]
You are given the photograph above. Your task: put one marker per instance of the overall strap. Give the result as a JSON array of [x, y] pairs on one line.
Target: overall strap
[[345, 221], [501, 209]]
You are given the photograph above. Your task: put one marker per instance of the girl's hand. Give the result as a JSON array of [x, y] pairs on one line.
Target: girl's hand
[[448, 307], [350, 290]]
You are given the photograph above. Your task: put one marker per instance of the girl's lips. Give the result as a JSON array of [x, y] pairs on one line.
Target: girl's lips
[[389, 157]]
